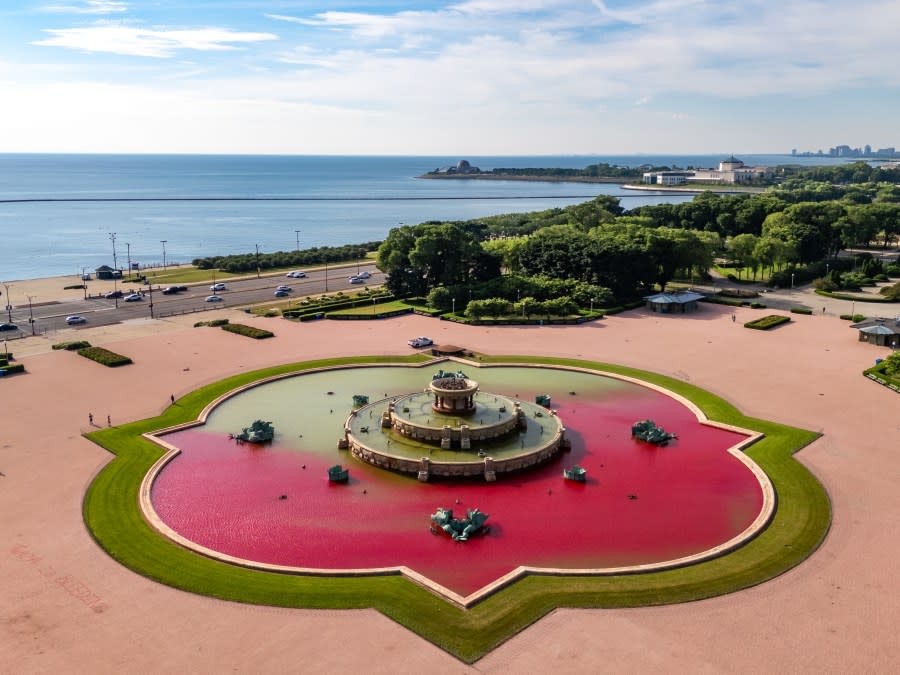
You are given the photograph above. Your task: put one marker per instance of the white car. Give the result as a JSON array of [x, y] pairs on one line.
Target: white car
[[217, 287], [71, 320], [296, 275], [365, 274], [213, 298], [133, 297], [356, 280], [420, 342], [282, 287]]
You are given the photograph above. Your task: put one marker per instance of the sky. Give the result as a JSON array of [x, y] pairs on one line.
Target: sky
[[464, 77]]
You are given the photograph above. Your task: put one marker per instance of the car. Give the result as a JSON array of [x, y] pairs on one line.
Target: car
[[8, 326], [112, 295], [181, 289], [356, 280], [281, 294], [420, 342], [72, 320], [284, 288], [296, 275], [133, 297], [213, 298], [217, 287], [169, 290], [365, 274]]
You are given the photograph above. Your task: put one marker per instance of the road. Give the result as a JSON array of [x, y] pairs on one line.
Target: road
[[99, 311]]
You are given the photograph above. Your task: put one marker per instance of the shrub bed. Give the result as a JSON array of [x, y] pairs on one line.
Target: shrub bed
[[800, 310], [724, 301], [249, 331], [104, 356], [71, 346], [15, 368], [767, 322], [853, 298], [76, 287]]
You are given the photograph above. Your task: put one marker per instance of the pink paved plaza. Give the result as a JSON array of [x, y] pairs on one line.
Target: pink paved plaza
[[68, 607]]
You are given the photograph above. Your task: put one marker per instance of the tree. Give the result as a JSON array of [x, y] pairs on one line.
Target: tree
[[741, 249]]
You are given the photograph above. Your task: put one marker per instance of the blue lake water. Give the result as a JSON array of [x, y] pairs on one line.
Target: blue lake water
[[218, 204]]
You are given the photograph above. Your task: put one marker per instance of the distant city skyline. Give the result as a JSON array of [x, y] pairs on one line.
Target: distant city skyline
[[462, 77], [846, 151]]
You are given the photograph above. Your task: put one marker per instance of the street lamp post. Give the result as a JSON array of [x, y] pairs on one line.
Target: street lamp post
[[592, 305], [453, 300], [8, 303], [326, 273], [373, 304], [163, 242], [150, 287], [257, 261], [116, 290], [30, 314], [297, 232], [128, 246], [112, 237], [792, 279]]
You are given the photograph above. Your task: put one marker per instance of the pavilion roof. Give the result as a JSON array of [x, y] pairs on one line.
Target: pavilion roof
[[677, 298]]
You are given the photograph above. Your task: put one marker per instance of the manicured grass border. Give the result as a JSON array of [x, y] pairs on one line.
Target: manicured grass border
[[854, 298], [114, 519], [248, 331]]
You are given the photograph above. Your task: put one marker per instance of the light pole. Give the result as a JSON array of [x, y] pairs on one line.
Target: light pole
[[592, 305], [453, 300], [792, 279], [8, 303], [163, 242], [257, 261], [523, 306], [297, 232], [128, 246], [84, 282], [112, 237], [30, 314], [373, 305], [150, 286], [326, 272], [116, 290]]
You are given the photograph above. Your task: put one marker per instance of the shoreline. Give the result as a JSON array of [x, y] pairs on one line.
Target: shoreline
[[603, 180]]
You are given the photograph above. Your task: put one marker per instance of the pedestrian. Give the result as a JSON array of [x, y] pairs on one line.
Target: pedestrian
[[733, 318], [172, 398], [823, 310], [91, 419], [108, 421]]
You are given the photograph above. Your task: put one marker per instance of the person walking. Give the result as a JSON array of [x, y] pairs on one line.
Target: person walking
[[108, 421], [91, 419]]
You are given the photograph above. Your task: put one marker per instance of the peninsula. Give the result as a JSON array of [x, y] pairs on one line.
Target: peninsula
[[594, 173]]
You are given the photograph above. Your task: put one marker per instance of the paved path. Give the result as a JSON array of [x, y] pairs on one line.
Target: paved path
[[836, 613]]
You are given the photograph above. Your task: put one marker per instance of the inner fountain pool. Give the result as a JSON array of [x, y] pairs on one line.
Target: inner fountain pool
[[273, 503]]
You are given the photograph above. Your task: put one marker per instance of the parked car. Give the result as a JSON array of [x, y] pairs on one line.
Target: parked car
[[420, 342], [113, 295], [133, 297], [356, 280], [8, 326], [282, 294], [72, 320], [284, 288], [213, 298], [217, 287]]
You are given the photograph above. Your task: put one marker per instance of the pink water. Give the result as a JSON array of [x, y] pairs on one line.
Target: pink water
[[691, 496]]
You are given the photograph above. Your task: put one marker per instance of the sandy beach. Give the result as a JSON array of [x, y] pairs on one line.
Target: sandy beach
[[834, 613]]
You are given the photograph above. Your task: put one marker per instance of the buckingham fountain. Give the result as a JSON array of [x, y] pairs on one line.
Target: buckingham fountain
[[453, 430]]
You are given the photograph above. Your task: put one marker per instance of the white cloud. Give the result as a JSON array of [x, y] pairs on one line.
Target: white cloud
[[134, 41], [88, 7]]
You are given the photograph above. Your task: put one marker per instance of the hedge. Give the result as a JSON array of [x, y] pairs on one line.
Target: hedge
[[77, 287], [800, 310], [249, 331], [855, 318], [15, 368], [852, 298], [767, 322], [322, 307], [104, 356], [214, 323], [71, 346], [368, 317]]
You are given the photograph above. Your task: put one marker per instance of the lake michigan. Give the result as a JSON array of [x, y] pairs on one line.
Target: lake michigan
[[57, 211]]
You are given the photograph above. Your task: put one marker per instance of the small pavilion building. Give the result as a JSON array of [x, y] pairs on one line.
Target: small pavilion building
[[881, 332], [679, 302]]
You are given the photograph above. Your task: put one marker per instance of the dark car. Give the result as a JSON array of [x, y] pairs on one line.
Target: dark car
[[8, 326], [113, 295], [180, 289], [169, 290]]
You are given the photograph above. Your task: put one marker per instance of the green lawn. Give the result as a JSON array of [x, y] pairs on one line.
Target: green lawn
[[367, 310], [114, 519]]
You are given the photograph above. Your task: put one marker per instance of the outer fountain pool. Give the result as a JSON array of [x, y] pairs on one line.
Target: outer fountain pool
[[273, 504]]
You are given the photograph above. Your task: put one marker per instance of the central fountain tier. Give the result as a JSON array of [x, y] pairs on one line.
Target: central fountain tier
[[453, 430]]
